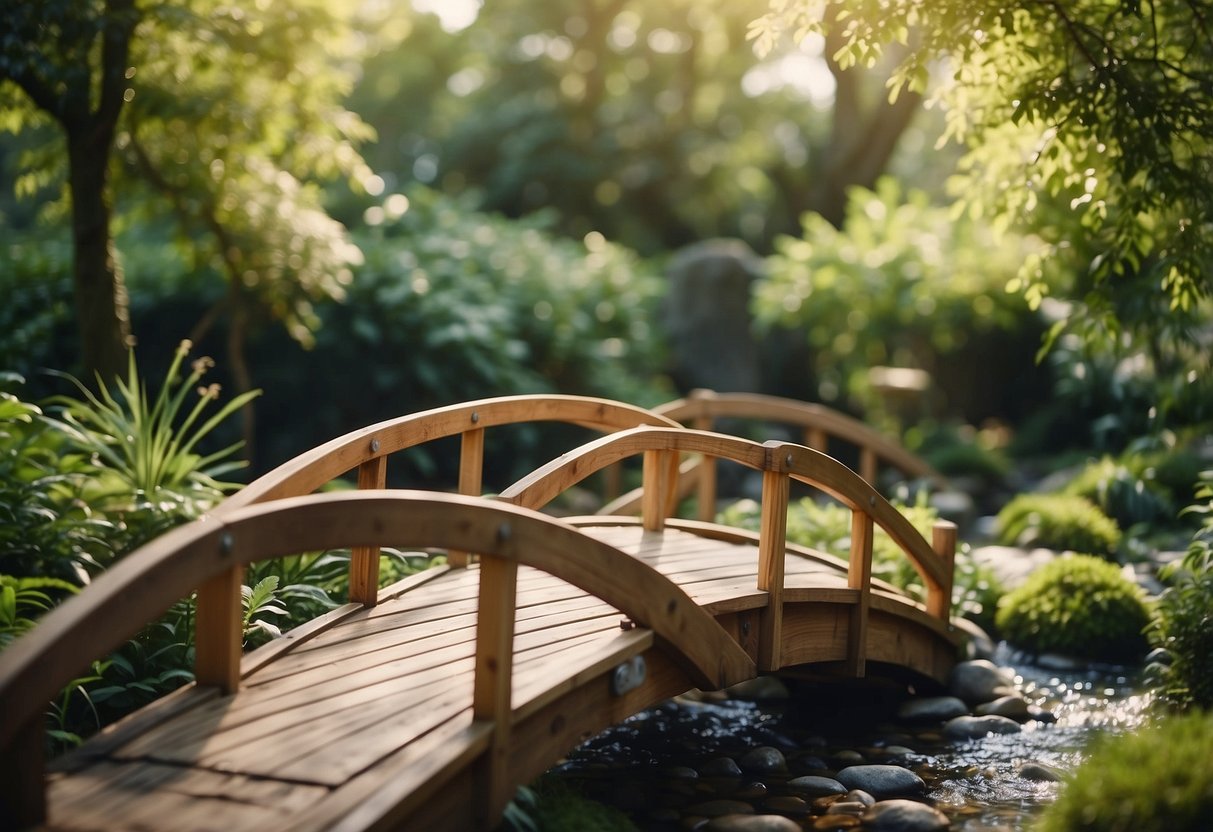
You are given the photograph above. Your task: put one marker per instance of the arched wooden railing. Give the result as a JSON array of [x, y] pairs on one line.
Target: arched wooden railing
[[144, 584], [822, 428], [367, 449], [780, 463]]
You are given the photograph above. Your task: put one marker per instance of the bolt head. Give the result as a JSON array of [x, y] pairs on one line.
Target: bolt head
[[374, 446]]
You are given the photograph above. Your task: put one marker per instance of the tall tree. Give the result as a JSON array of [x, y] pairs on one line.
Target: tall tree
[[218, 114], [1087, 121]]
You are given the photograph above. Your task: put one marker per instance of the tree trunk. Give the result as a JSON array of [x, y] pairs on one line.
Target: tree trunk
[[102, 312]]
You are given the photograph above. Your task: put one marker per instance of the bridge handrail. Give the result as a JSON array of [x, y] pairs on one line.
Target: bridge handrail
[[367, 449], [780, 462], [209, 555], [702, 408]]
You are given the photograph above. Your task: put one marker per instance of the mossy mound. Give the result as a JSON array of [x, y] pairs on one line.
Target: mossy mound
[[1078, 605], [1066, 522], [1156, 780]]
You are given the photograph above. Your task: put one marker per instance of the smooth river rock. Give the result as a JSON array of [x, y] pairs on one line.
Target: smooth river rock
[[980, 681], [1039, 772], [932, 709], [752, 823], [1012, 706], [976, 727], [764, 759], [904, 816], [882, 781], [813, 786]]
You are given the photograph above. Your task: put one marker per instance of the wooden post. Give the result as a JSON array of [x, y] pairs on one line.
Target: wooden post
[[492, 688], [706, 492], [471, 476], [867, 465], [772, 544], [859, 578], [22, 777], [655, 494], [943, 541], [364, 560], [218, 631], [816, 439]]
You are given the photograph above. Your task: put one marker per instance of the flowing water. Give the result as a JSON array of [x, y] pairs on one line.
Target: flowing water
[[659, 766]]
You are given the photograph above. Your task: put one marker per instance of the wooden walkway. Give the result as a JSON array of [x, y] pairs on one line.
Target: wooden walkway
[[425, 704]]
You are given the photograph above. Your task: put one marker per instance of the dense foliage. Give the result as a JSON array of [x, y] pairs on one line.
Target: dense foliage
[[1089, 121], [1076, 605], [906, 284], [1184, 623], [1156, 780], [1057, 521]]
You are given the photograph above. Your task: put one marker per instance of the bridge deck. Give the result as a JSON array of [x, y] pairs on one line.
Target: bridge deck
[[379, 702]]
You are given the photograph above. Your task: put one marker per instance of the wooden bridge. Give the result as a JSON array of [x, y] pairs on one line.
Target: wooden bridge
[[424, 704]]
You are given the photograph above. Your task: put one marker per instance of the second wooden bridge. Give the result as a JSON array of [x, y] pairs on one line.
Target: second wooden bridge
[[423, 705]]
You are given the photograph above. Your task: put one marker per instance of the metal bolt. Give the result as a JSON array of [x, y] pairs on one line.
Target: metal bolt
[[475, 417], [374, 446], [788, 459], [504, 531], [226, 543], [872, 500], [745, 628]]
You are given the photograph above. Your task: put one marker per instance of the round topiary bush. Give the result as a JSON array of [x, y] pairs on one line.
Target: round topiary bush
[[1078, 605], [1155, 780], [1057, 521]]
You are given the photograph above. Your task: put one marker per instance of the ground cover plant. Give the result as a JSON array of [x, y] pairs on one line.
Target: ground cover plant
[[1055, 521]]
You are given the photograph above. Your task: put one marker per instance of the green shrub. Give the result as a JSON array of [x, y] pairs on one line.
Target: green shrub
[[1076, 605], [826, 527], [1184, 621], [1057, 521], [1128, 498], [1155, 780]]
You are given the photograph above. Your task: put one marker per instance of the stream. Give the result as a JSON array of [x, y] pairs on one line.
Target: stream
[[671, 767]]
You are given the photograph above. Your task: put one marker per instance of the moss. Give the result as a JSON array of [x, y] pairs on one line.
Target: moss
[[1157, 780], [1057, 521], [1078, 605]]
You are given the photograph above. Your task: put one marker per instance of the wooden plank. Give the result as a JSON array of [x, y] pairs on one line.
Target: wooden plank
[[544, 683], [22, 767], [471, 475], [364, 560], [943, 542]]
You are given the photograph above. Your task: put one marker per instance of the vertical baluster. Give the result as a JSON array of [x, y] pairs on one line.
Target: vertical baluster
[[655, 495], [471, 473], [859, 578], [867, 465], [218, 632], [364, 560], [943, 541], [492, 688], [772, 543]]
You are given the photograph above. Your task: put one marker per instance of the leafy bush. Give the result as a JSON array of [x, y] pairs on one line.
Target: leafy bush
[[1057, 521], [1154, 780], [1184, 622], [1077, 605], [906, 284], [1126, 497], [826, 527]]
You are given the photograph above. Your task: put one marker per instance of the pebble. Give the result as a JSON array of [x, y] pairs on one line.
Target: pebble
[[764, 759], [980, 680], [882, 781], [679, 773], [904, 816], [787, 805], [718, 808], [1012, 706], [1039, 772], [759, 689], [813, 786], [932, 709], [976, 727], [860, 796], [752, 823], [848, 807], [832, 822], [752, 791], [720, 767]]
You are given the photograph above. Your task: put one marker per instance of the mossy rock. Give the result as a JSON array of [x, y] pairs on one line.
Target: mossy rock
[[1065, 522], [1080, 606], [1156, 780]]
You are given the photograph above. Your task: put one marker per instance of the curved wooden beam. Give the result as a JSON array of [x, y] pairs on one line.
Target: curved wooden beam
[[312, 469], [145, 583], [710, 405]]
